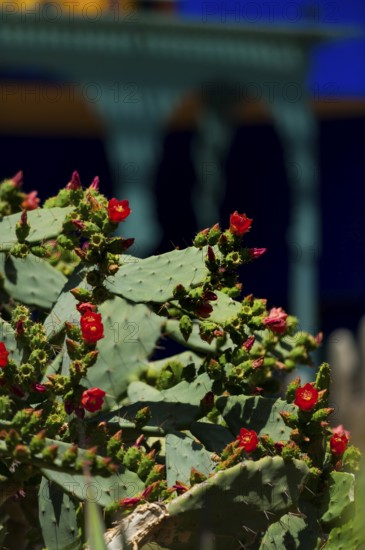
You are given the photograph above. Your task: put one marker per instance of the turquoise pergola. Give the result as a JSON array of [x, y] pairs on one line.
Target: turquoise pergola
[[135, 72]]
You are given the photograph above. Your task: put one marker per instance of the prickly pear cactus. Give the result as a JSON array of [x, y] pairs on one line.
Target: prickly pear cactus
[[201, 445]]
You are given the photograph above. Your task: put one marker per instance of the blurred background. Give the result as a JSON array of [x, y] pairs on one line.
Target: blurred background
[[193, 109]]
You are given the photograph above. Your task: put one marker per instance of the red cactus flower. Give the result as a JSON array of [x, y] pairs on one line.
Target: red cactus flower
[[4, 354], [92, 400], [306, 397], [31, 201], [340, 430], [338, 443], [239, 224], [92, 328], [339, 440], [247, 439], [276, 320], [118, 210]]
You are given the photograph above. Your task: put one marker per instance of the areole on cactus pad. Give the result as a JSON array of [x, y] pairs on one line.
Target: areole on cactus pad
[[204, 442]]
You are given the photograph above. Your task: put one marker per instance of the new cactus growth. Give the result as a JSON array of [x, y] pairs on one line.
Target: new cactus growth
[[194, 444]]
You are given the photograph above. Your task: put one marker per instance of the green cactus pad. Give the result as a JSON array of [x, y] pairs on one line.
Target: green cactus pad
[[153, 279], [341, 497], [224, 308], [295, 531], [175, 408], [65, 307], [130, 335], [261, 414], [103, 490], [185, 358], [31, 280], [182, 454], [346, 537], [238, 503], [194, 343], [57, 517], [7, 335], [214, 437], [44, 224]]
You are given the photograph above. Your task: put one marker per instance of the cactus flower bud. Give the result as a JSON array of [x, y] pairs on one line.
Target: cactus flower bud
[[19, 329], [214, 234], [196, 476], [142, 417], [75, 182], [180, 487], [211, 254], [249, 343], [129, 502], [21, 452], [255, 253], [95, 184], [40, 388], [4, 354], [17, 180], [50, 452], [81, 294], [31, 201], [78, 224], [22, 227], [257, 363], [291, 389], [186, 327], [37, 442], [201, 239], [85, 307]]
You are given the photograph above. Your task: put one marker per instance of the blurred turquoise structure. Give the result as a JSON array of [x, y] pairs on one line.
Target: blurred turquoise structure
[[134, 73]]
